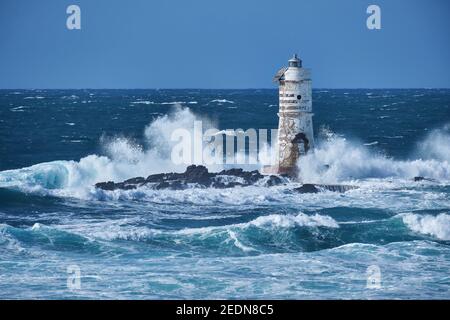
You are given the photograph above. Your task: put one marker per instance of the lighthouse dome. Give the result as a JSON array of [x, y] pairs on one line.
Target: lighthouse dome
[[295, 62]]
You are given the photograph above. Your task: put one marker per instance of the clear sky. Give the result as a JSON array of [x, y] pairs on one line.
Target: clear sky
[[223, 43]]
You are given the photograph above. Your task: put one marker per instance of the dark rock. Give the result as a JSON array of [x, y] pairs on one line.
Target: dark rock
[[156, 177], [199, 176], [336, 187], [231, 172], [314, 188], [162, 185], [418, 179], [106, 185], [307, 188], [126, 186], [137, 180], [274, 181]]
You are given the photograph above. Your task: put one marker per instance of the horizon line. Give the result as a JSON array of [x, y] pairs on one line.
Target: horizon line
[[263, 88]]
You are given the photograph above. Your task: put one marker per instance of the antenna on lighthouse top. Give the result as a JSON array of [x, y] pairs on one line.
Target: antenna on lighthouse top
[[295, 62]]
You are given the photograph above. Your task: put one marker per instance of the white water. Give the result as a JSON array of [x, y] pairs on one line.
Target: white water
[[436, 226], [337, 159], [289, 221]]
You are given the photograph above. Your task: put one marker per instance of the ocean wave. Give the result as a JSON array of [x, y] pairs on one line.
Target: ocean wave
[[263, 234], [436, 226], [34, 97], [221, 101], [408, 271], [23, 240], [19, 109], [289, 221], [147, 102], [272, 222], [143, 102], [274, 233]]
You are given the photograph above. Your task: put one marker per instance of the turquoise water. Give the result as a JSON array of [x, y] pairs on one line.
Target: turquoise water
[[252, 242]]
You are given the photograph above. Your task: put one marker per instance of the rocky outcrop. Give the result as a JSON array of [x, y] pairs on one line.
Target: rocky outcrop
[[419, 179], [199, 176]]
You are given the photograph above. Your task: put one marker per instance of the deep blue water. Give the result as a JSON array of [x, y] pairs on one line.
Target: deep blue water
[[253, 242]]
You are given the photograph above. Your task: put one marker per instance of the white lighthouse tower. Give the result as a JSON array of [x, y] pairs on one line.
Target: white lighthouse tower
[[295, 128]]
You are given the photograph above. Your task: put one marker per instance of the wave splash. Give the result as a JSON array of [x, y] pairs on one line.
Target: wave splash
[[337, 159], [122, 159]]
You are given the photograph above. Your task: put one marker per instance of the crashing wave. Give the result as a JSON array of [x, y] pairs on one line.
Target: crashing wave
[[337, 159], [436, 226]]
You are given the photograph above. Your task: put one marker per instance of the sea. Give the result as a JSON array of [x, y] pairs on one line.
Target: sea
[[61, 238]]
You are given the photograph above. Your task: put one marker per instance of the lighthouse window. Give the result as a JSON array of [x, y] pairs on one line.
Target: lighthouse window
[[299, 97]]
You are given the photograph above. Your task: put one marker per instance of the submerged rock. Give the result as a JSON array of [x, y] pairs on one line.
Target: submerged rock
[[314, 188], [419, 178], [336, 187]]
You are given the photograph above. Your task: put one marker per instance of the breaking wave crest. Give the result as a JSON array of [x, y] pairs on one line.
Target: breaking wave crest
[[436, 226]]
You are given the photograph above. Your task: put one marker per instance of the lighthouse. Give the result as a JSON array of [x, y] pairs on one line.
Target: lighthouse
[[295, 127]]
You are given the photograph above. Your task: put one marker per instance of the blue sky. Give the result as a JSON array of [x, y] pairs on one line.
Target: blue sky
[[223, 43]]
